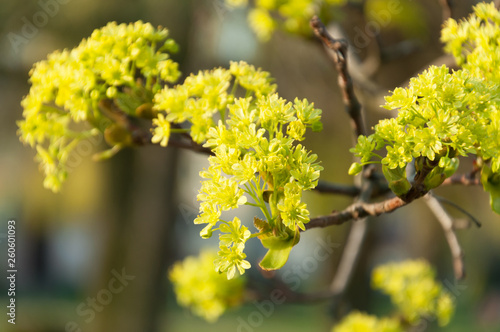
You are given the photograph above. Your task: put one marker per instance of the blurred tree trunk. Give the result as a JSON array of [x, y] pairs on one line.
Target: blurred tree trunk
[[139, 244], [138, 234]]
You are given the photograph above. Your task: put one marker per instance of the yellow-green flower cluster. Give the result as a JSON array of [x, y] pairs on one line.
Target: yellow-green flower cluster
[[205, 292], [254, 152], [474, 42], [439, 116], [126, 63], [256, 159], [207, 93], [443, 114], [290, 15], [414, 290], [361, 322]]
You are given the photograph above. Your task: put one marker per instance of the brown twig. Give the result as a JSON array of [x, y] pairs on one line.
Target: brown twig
[[447, 224], [337, 188], [360, 71], [355, 239], [189, 145], [357, 211], [362, 209], [339, 48]]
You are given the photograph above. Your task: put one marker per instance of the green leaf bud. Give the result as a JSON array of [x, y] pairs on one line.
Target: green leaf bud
[[355, 168], [396, 179], [435, 178]]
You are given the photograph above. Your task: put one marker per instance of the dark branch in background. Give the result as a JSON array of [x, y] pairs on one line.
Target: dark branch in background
[[339, 48], [335, 188], [459, 208], [355, 239], [360, 70], [447, 224], [380, 187], [189, 145]]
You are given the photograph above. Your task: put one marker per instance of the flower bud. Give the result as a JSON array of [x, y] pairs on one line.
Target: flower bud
[[116, 134], [355, 169]]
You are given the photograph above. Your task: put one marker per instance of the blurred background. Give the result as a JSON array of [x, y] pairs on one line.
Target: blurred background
[[132, 215]]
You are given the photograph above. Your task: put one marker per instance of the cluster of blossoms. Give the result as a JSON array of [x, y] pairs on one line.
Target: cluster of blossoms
[[413, 290], [253, 135], [474, 42], [199, 287], [443, 114], [123, 63], [256, 159], [290, 15], [121, 73], [205, 94], [361, 322]]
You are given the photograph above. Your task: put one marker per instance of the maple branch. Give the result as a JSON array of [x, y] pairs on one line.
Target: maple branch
[[339, 48], [356, 211], [355, 239]]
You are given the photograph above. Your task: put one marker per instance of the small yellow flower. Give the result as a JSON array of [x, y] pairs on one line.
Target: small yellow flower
[[162, 131], [413, 289]]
